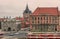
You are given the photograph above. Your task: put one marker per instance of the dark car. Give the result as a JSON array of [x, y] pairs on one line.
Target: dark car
[[1, 34]]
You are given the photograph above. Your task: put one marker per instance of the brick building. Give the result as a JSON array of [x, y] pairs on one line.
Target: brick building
[[27, 12], [45, 19], [45, 23]]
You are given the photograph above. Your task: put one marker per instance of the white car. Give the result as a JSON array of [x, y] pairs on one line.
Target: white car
[[16, 33]]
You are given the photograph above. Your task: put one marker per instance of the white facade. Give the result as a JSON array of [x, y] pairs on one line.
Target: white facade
[[11, 25]]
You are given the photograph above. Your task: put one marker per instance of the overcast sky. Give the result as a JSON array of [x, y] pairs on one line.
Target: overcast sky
[[16, 7]]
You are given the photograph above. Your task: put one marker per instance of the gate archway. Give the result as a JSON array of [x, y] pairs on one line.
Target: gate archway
[[9, 29]]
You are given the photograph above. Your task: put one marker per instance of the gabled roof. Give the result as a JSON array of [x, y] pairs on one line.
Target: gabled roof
[[46, 10]]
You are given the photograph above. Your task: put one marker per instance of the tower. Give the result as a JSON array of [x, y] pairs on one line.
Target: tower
[[26, 13]]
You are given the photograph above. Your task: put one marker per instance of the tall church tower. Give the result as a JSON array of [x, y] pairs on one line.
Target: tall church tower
[[26, 13]]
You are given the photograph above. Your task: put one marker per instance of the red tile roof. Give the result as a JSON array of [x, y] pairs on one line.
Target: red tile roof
[[1, 18], [46, 10]]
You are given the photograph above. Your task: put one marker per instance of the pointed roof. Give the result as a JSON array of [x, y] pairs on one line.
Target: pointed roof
[[46, 10], [27, 10], [27, 7]]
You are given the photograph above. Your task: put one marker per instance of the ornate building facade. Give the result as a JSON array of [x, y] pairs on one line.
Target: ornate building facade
[[26, 13], [11, 25], [44, 19], [45, 23]]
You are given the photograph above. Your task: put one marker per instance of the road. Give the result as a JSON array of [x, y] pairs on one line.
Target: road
[[20, 34]]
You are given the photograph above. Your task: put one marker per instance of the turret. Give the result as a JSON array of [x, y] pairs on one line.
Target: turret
[[26, 13]]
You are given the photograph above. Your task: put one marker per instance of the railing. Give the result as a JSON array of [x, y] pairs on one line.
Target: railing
[[44, 35]]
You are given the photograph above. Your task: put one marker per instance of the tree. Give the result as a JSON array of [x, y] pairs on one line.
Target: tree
[[19, 26]]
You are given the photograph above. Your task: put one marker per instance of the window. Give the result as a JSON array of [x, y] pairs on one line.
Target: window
[[38, 18], [32, 21], [13, 29], [55, 29], [46, 18], [4, 29], [38, 22], [44, 28], [35, 18], [40, 28], [32, 18], [33, 27], [41, 18], [49, 28], [54, 19]]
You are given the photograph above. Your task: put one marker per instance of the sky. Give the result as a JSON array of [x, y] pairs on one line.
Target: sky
[[15, 8]]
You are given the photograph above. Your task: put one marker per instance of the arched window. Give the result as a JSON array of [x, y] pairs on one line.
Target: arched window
[[13, 29], [55, 29], [9, 29], [4, 29]]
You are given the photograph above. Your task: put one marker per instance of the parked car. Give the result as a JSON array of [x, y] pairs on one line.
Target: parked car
[[1, 34], [11, 34]]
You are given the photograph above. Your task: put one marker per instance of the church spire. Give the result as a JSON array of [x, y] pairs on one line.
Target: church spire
[[27, 9]]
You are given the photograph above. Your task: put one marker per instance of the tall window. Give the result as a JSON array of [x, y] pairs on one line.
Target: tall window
[[38, 21], [41, 20], [33, 28], [35, 18], [56, 19], [46, 19], [53, 19], [32, 21], [38, 18], [40, 28], [32, 18], [55, 28]]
